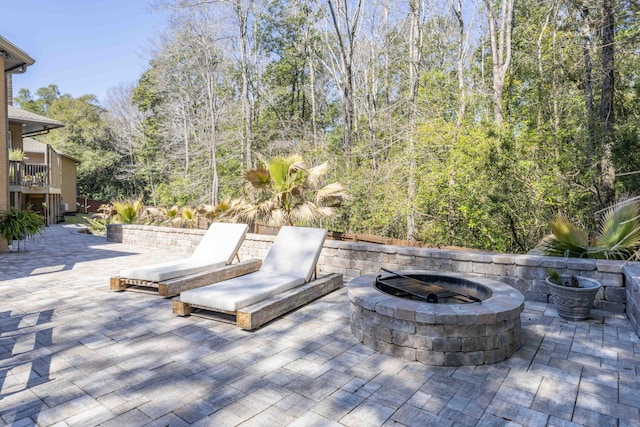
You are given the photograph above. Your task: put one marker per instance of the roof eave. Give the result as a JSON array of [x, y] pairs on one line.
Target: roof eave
[[16, 60]]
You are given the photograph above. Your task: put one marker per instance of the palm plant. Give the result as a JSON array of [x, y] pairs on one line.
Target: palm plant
[[127, 210], [210, 212], [617, 238], [188, 216], [285, 192]]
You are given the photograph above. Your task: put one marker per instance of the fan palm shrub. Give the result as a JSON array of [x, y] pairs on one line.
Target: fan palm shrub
[[127, 210], [617, 237], [285, 191]]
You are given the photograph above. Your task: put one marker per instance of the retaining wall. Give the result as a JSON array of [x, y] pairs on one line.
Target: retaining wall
[[632, 281], [524, 272]]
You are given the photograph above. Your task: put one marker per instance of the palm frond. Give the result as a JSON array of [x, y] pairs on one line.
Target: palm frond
[[128, 210], [305, 213], [279, 168], [619, 234], [187, 214], [331, 194], [568, 240], [258, 178], [316, 173]]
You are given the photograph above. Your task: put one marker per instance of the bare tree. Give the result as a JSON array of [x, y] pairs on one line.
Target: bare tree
[[344, 23], [125, 124], [195, 79], [500, 30], [242, 37]]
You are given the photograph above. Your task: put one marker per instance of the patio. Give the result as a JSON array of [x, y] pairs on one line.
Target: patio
[[74, 353]]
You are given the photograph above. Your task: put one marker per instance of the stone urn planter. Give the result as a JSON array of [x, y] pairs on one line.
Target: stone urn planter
[[574, 296]]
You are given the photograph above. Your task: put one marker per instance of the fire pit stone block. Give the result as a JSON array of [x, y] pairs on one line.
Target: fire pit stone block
[[477, 333]]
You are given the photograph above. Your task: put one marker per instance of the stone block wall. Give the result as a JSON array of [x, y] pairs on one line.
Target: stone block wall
[[172, 239], [524, 272], [632, 281]]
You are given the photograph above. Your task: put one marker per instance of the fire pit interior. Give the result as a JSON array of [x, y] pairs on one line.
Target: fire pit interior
[[436, 318], [439, 289]]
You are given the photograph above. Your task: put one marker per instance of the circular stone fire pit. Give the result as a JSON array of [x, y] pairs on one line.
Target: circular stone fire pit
[[449, 333]]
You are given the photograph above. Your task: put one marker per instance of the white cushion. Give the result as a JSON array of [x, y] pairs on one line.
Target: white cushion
[[295, 252], [221, 241], [217, 248], [241, 291], [171, 269]]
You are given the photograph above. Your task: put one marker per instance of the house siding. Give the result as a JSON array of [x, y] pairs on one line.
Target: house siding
[[4, 151], [69, 192]]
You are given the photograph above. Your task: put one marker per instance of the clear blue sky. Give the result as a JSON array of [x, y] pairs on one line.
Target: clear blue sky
[[83, 46]]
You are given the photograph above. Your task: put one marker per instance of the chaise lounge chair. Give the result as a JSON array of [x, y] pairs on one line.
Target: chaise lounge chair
[[282, 284], [208, 264]]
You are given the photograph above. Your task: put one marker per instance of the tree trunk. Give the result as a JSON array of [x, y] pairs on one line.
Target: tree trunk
[[414, 77], [608, 173], [456, 6], [346, 34], [457, 10], [242, 17], [588, 79], [312, 93], [500, 35]]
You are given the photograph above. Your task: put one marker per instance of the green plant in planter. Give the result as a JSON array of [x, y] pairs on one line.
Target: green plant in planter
[[554, 277], [17, 224], [16, 155], [572, 295]]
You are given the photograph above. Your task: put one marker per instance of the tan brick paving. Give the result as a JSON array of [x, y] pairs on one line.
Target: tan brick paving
[[74, 353]]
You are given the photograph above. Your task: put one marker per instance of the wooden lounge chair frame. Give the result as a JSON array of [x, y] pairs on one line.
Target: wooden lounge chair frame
[[256, 315], [284, 282], [173, 287], [213, 259]]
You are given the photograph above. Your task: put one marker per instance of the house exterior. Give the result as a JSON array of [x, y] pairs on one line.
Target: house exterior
[[42, 178], [45, 179], [13, 60]]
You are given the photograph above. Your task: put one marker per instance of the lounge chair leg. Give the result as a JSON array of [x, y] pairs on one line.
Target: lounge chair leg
[[163, 290], [117, 284], [180, 308]]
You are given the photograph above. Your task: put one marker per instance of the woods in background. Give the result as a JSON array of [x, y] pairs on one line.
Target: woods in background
[[452, 122]]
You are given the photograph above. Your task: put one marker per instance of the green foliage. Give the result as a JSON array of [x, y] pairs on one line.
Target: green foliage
[[98, 225], [618, 235], [477, 185], [18, 224], [553, 276], [16, 155], [84, 137]]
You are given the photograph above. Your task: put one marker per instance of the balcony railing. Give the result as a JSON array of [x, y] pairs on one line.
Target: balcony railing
[[28, 175]]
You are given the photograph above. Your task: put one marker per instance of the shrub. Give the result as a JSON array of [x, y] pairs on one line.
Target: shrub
[[617, 238], [17, 224]]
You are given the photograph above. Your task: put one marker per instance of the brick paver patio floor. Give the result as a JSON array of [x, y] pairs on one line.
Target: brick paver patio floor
[[74, 353]]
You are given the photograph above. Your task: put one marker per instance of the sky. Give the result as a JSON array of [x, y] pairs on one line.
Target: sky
[[85, 47]]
